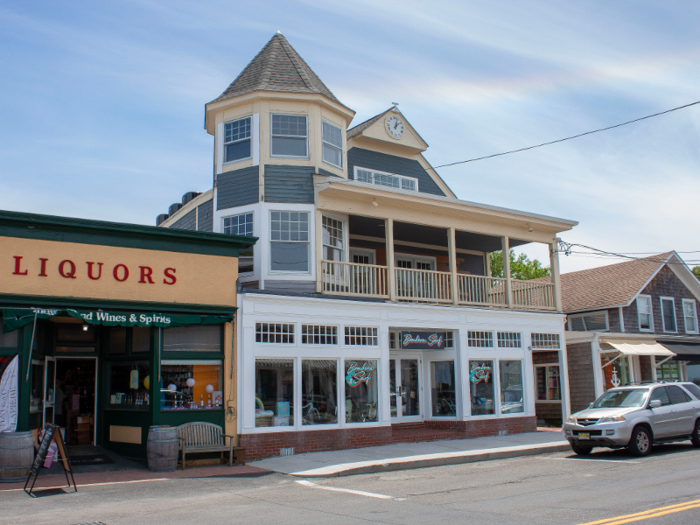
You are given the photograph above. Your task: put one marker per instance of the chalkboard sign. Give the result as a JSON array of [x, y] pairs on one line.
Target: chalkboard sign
[[51, 433]]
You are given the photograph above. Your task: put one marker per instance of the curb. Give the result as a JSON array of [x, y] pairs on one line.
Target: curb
[[431, 460]]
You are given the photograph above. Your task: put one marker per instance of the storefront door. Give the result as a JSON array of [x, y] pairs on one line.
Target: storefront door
[[49, 390], [405, 389]]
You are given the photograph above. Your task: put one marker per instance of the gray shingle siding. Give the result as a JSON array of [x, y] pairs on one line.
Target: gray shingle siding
[[187, 222], [401, 166], [289, 184], [237, 188], [205, 219]]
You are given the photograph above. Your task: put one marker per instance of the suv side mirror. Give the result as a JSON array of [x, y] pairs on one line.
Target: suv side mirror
[[656, 403]]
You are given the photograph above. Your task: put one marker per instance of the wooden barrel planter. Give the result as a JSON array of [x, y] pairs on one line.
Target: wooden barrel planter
[[162, 448], [16, 456]]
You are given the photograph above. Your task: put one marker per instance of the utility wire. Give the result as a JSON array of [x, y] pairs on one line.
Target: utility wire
[[564, 139], [568, 249]]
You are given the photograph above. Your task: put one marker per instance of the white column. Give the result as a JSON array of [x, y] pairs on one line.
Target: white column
[[389, 236], [554, 270], [505, 246], [319, 251], [452, 248], [564, 380]]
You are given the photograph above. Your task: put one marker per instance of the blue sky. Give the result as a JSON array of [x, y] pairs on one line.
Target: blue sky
[[103, 103]]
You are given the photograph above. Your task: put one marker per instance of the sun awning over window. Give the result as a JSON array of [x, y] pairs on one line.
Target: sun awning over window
[[635, 347]]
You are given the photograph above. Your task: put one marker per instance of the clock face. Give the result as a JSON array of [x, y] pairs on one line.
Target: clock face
[[394, 126]]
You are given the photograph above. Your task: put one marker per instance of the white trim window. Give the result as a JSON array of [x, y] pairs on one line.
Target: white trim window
[[509, 340], [289, 241], [548, 383], [241, 224], [361, 336], [668, 314], [289, 136], [690, 316], [589, 322], [479, 339], [237, 140], [274, 333], [382, 178], [646, 319], [316, 334], [545, 341], [332, 144], [332, 237], [363, 255]]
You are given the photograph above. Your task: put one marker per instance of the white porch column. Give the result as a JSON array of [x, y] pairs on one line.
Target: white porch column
[[554, 270], [505, 246], [389, 237], [452, 249], [319, 251], [564, 380]]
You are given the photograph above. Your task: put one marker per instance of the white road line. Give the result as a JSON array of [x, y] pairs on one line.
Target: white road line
[[593, 459], [94, 484], [349, 491]]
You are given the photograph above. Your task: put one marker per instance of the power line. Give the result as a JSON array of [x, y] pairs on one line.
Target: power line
[[567, 138], [568, 249]]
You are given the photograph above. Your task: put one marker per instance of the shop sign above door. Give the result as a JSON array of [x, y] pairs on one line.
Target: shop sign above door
[[423, 340]]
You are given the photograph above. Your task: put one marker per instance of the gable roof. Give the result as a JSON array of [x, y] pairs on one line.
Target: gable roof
[[610, 286], [277, 67], [356, 130]]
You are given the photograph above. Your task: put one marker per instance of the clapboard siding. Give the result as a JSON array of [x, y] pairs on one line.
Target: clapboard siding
[[374, 160], [205, 217], [289, 184], [187, 222], [237, 188]]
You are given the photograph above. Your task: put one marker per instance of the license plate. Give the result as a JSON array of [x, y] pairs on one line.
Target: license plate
[[584, 435]]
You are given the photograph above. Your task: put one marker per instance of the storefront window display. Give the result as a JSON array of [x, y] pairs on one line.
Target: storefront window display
[[129, 384], [442, 381], [319, 386], [191, 385], [668, 371], [361, 394], [617, 373], [274, 393], [511, 377], [481, 387], [548, 385]]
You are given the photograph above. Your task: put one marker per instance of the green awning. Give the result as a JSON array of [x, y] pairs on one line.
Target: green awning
[[14, 318]]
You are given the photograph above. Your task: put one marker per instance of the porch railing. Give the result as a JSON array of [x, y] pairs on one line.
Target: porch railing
[[362, 280], [369, 280]]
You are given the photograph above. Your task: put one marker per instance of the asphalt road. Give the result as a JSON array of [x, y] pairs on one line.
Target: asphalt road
[[552, 488]]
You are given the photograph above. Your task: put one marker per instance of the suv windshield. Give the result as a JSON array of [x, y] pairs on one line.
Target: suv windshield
[[621, 399]]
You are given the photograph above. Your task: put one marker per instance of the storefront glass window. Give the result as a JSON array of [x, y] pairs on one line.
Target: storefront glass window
[[361, 394], [668, 371], [442, 382], [129, 384], [37, 398], [511, 377], [192, 339], [319, 386], [140, 340], [191, 385], [117, 340], [548, 386], [481, 387], [617, 373], [274, 393]]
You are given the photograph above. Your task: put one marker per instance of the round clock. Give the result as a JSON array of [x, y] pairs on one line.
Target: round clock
[[394, 126]]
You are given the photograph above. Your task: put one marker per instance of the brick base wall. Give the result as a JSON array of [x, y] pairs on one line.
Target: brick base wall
[[259, 446]]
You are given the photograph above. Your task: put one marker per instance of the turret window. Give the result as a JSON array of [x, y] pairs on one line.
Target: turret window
[[237, 140], [332, 145], [289, 136]]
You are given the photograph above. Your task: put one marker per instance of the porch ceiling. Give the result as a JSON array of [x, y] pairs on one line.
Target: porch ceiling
[[407, 232]]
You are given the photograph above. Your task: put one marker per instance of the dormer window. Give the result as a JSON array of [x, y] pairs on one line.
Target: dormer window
[[237, 140], [290, 136], [332, 145], [382, 178]]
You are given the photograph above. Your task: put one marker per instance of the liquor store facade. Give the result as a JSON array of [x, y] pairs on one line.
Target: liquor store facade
[[110, 328]]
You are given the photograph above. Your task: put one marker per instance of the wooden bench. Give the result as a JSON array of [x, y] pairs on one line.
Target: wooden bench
[[207, 437]]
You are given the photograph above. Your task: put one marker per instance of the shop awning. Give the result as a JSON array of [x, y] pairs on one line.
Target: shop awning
[[14, 318], [684, 351], [635, 347]]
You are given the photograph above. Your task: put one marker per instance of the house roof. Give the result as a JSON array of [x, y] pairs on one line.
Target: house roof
[[367, 123], [608, 286], [277, 67]]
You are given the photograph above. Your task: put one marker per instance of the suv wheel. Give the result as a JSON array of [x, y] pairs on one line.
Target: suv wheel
[[581, 451], [640, 444], [695, 438]]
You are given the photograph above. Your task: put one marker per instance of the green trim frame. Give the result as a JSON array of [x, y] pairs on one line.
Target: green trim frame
[[38, 301], [123, 235]]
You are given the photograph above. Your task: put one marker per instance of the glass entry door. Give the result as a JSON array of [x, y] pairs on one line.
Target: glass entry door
[[405, 389], [49, 390]]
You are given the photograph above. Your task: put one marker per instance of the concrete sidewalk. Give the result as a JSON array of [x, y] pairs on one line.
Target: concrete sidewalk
[[414, 455]]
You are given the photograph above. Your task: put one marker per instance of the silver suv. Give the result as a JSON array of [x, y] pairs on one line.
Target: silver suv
[[636, 416]]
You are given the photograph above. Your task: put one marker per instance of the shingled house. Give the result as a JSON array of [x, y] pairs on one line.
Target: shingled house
[[630, 322]]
